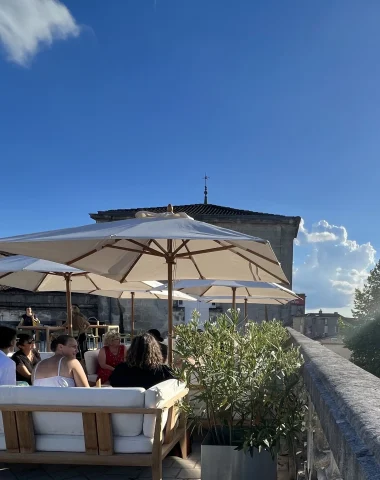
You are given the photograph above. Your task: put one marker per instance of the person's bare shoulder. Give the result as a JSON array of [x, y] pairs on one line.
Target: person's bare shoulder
[[73, 363]]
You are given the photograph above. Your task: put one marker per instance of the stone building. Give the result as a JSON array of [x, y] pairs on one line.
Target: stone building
[[280, 230], [319, 325]]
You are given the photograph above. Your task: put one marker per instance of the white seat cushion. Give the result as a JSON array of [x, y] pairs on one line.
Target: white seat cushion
[[75, 443], [91, 361], [157, 396], [49, 423]]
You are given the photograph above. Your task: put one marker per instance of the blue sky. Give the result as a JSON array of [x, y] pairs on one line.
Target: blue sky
[[116, 104]]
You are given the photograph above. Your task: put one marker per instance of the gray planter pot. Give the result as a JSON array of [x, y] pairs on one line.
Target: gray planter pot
[[226, 463]]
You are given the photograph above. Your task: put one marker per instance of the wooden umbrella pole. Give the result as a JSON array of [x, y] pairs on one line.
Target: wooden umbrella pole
[[132, 315], [245, 308], [169, 261], [68, 303], [234, 298]]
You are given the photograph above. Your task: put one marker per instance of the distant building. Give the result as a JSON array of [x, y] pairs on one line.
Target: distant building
[[319, 325]]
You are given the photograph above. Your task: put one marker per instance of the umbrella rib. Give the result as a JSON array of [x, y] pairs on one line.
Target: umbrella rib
[[92, 281], [146, 247], [258, 266], [132, 267], [5, 275], [209, 250], [81, 257], [275, 262], [40, 283], [159, 246], [134, 250], [183, 244], [194, 262], [204, 293]]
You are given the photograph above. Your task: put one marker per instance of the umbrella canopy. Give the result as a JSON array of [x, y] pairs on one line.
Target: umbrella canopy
[[37, 275], [153, 246], [221, 288], [141, 294], [254, 299], [257, 300]]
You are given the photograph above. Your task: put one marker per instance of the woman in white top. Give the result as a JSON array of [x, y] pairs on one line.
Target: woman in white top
[[62, 369]]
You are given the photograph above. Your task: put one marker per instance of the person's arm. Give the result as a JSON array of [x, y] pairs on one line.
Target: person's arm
[[23, 371], [125, 352], [79, 375], [21, 322], [102, 360]]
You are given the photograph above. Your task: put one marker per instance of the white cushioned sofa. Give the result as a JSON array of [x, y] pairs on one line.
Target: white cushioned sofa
[[111, 426]]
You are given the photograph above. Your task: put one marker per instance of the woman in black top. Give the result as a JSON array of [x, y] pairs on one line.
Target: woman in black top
[[164, 349], [26, 358], [143, 366]]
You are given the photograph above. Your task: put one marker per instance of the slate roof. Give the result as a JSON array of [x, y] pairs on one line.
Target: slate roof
[[194, 210]]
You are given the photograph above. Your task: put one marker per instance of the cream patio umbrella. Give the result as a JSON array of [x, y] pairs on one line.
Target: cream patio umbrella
[[254, 299], [27, 273], [158, 247], [223, 288], [140, 295]]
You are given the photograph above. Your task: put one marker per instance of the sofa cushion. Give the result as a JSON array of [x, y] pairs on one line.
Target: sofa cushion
[[75, 443], [157, 396], [91, 361], [49, 423]]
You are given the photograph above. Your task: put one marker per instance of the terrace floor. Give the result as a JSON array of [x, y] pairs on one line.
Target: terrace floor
[[173, 468]]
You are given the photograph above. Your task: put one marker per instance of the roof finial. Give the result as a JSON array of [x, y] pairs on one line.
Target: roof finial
[[205, 192]]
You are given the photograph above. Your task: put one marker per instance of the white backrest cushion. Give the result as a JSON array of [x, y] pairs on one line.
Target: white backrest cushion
[[155, 397], [52, 423], [91, 360]]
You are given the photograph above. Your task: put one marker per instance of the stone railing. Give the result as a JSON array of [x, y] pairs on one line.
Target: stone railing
[[344, 415]]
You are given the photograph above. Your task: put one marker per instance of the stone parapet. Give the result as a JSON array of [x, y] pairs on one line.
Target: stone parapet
[[346, 400]]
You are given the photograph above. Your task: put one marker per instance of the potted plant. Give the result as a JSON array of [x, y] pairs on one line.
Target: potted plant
[[245, 390]]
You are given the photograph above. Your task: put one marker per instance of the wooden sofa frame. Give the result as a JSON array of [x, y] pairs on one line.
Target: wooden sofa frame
[[98, 436]]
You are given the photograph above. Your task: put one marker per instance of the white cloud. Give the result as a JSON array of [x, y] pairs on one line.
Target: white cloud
[[26, 25], [333, 267]]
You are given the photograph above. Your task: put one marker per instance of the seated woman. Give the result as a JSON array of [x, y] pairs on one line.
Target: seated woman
[[110, 355], [143, 366], [62, 369], [26, 358]]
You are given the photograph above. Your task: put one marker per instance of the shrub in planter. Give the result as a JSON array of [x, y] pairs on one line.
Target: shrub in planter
[[245, 383]]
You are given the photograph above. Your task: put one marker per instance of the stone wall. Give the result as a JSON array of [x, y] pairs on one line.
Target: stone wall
[[50, 307], [344, 421]]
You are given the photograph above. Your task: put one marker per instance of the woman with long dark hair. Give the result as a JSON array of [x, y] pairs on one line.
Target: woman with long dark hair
[[144, 365]]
